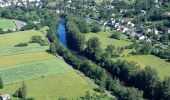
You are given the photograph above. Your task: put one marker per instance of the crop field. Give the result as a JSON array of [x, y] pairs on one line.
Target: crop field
[[62, 85], [12, 39], [7, 24], [33, 70], [9, 50], [105, 39], [160, 65], [24, 58]]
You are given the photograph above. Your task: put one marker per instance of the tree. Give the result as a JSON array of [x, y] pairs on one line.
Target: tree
[[95, 28], [116, 35], [165, 89], [146, 48], [1, 83], [21, 92], [165, 38], [147, 80], [93, 48]]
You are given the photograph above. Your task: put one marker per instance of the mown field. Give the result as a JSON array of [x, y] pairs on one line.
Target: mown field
[[7, 24], [31, 48], [24, 58], [12, 39], [105, 39], [45, 75]]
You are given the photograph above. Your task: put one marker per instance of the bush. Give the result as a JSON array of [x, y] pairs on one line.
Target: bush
[[21, 45], [38, 39]]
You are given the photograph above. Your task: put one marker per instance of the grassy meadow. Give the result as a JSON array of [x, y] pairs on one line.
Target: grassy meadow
[[162, 67], [104, 38], [68, 85], [7, 24], [11, 39]]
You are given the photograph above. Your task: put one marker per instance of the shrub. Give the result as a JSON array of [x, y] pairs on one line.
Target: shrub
[[21, 45], [38, 39]]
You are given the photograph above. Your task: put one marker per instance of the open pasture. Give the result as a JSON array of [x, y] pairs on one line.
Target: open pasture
[[11, 39], [7, 24], [105, 39]]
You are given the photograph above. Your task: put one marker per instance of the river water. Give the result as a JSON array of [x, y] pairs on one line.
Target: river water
[[61, 32]]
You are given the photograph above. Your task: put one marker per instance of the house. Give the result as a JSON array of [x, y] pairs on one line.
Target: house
[[149, 30], [142, 37], [155, 31], [124, 29], [5, 97], [168, 30], [143, 12]]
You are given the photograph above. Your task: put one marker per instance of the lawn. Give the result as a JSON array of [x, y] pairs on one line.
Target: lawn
[[31, 48], [160, 65], [105, 39], [11, 39], [7, 24], [11, 60], [68, 85]]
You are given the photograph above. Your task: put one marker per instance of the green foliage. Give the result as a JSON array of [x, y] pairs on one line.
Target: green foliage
[[21, 92], [145, 49], [38, 39], [21, 45], [116, 35], [75, 39], [93, 48], [1, 83], [95, 28]]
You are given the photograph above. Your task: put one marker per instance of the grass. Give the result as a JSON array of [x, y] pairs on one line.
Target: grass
[[105, 39], [33, 70], [31, 48], [160, 65], [7, 24], [67, 85], [11, 39], [11, 60]]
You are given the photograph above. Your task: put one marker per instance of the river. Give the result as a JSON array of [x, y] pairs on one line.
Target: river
[[61, 32]]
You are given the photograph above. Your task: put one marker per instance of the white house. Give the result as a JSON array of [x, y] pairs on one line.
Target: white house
[[142, 37], [124, 29], [5, 97], [155, 31], [168, 30]]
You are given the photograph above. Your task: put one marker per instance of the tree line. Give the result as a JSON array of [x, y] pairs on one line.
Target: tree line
[[128, 73], [90, 69]]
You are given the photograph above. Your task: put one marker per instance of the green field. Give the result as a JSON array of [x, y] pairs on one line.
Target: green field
[[66, 85], [24, 58], [31, 48], [12, 39], [160, 65], [7, 24], [31, 70], [105, 39]]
